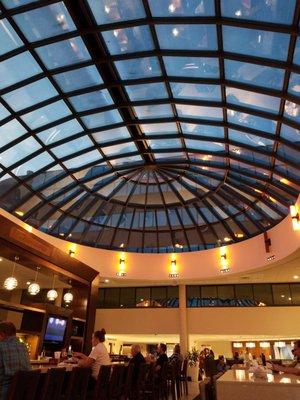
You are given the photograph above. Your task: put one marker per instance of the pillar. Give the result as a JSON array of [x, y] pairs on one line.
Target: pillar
[[183, 333]]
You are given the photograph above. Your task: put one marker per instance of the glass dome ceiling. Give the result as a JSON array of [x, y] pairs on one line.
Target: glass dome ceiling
[[154, 125]]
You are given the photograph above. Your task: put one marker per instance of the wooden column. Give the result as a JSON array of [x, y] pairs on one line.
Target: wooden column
[[91, 315]]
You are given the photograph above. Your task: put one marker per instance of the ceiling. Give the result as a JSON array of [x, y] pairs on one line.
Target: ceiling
[[150, 125]]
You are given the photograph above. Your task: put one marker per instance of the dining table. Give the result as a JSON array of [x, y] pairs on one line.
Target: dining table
[[240, 384]]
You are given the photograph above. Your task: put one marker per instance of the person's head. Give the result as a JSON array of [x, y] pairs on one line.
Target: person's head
[[221, 358], [176, 349], [7, 329], [98, 337], [296, 348], [236, 355], [161, 348], [135, 349]]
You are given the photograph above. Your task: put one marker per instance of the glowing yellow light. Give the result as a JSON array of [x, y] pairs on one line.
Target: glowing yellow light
[[224, 261], [28, 228], [257, 190], [122, 266], [19, 212], [239, 235], [285, 181], [295, 217], [72, 249]]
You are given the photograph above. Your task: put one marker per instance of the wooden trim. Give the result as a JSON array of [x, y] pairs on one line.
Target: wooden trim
[[91, 315], [14, 240]]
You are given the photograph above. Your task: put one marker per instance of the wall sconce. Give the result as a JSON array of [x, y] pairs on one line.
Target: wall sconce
[[122, 266], [224, 262], [295, 217], [71, 253], [173, 269]]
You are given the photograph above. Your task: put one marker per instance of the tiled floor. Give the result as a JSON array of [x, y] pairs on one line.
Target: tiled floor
[[193, 391]]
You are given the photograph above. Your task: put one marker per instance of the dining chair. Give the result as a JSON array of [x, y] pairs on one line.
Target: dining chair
[[128, 392], [24, 385], [116, 383], [52, 387]]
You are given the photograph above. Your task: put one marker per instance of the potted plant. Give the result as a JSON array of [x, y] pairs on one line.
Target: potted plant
[[193, 364]]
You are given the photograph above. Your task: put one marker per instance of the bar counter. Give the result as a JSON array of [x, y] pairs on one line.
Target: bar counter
[[243, 385]]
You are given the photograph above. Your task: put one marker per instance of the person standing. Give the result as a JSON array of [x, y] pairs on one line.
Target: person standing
[[137, 359], [162, 357], [14, 356]]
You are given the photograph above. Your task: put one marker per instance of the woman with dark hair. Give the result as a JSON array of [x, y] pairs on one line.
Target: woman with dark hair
[[97, 357]]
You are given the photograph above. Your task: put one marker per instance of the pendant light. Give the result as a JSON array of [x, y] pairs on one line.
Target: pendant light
[[68, 297], [11, 282], [34, 287], [52, 293]]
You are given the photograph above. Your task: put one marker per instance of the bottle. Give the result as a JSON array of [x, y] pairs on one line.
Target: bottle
[[70, 352]]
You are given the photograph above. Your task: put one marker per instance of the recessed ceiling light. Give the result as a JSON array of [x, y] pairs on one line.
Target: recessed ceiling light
[[296, 277], [106, 280], [28, 283], [1, 259], [227, 239]]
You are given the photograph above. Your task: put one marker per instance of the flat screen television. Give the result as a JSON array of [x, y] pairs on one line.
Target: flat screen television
[[56, 329]]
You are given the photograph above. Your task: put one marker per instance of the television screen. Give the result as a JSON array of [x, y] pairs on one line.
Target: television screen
[[56, 328]]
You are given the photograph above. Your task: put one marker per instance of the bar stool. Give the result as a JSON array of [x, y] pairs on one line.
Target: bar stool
[[101, 388], [78, 384], [52, 387], [24, 385]]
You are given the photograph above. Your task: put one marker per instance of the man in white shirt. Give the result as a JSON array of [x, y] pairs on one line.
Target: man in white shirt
[[97, 357], [295, 370]]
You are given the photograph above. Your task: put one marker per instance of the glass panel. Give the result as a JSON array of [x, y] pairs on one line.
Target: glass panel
[[158, 129], [17, 3], [199, 112], [251, 140], [72, 147], [113, 11], [164, 144], [196, 91], [292, 111], [30, 95], [45, 115], [225, 292], [85, 158], [263, 294], [78, 79], [138, 68], [88, 101], [19, 151], [208, 291], [119, 149], [252, 121], [147, 91], [295, 289], [60, 132], [112, 297], [128, 40], [267, 11], [45, 22], [127, 297], [11, 73], [111, 135], [10, 131], [9, 40], [142, 295], [254, 42], [167, 8], [294, 84], [281, 294], [154, 111], [33, 165], [297, 52], [187, 37], [204, 146], [254, 74], [196, 67], [290, 134], [102, 119], [244, 292], [202, 130], [66, 52], [253, 100]]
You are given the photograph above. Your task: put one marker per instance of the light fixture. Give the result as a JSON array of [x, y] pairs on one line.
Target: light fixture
[[296, 276], [122, 267], [52, 293], [34, 288], [271, 258], [71, 253], [251, 345], [239, 235], [68, 297], [264, 345], [173, 268], [237, 345], [295, 217], [19, 213], [106, 280], [224, 262], [11, 282]]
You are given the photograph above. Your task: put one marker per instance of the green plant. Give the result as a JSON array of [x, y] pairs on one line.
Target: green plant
[[193, 357]]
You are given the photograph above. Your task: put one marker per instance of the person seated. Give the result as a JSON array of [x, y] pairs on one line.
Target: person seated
[[295, 370], [221, 364], [14, 356], [176, 357], [137, 359], [236, 358], [162, 357], [97, 357]]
